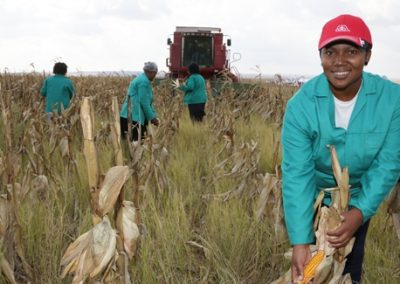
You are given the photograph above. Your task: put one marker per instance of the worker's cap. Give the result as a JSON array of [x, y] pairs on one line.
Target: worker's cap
[[346, 27], [150, 66]]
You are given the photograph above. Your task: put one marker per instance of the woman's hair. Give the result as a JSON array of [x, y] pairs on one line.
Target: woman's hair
[[60, 68], [194, 68]]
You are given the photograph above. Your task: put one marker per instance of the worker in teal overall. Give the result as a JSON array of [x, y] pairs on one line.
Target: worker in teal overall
[[358, 113], [195, 93], [140, 94], [58, 90]]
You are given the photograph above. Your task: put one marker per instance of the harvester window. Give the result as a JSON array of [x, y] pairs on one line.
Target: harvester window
[[198, 49]]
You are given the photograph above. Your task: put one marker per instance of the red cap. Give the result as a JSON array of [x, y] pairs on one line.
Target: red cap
[[345, 27]]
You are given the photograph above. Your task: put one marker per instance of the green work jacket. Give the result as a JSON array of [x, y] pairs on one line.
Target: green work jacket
[[370, 148], [58, 91], [140, 94], [195, 90]]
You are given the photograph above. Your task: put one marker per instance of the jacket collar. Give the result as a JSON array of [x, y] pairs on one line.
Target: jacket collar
[[325, 100]]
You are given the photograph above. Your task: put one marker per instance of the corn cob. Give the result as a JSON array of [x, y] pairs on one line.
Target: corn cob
[[309, 271]]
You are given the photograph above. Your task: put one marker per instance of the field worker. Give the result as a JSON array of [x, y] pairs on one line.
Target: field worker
[[57, 89], [358, 113], [140, 94], [195, 93]]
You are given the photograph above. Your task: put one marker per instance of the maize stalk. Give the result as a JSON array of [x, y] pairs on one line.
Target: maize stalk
[[122, 261], [89, 149], [116, 133]]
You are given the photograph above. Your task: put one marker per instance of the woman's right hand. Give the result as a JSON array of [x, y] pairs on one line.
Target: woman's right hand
[[155, 121], [301, 256]]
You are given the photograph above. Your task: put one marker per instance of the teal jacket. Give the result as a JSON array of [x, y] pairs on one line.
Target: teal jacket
[[58, 91], [140, 94], [370, 148], [195, 90]]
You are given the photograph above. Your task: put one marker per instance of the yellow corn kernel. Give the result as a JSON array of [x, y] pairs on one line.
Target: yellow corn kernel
[[309, 271]]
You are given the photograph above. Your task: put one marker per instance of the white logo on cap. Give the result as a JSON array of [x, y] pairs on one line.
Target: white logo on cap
[[342, 28]]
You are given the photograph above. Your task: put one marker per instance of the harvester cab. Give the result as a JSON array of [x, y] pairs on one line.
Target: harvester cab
[[204, 46]]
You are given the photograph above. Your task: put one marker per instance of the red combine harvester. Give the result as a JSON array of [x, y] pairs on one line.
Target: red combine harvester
[[202, 45]]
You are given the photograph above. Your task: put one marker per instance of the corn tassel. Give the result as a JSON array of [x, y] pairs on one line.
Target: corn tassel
[[309, 271]]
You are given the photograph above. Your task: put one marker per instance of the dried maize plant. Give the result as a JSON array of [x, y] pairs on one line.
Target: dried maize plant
[[160, 139], [223, 100], [269, 204], [154, 175], [242, 167], [222, 123], [393, 207], [170, 109], [101, 88], [60, 130], [149, 157], [13, 262], [94, 254], [327, 263], [36, 172], [265, 99]]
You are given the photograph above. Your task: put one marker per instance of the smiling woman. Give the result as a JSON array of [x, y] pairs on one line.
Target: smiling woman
[[359, 114]]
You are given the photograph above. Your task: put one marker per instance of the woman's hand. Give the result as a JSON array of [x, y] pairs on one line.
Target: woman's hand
[[155, 121], [301, 256], [175, 84], [351, 221]]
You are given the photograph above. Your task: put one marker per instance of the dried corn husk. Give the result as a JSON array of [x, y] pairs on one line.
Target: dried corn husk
[[40, 187], [337, 170], [127, 225], [4, 214], [2, 166], [64, 147], [270, 184], [6, 269], [104, 246], [136, 153], [111, 187], [342, 179], [91, 253], [324, 270]]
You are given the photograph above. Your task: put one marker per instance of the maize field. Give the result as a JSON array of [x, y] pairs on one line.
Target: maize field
[[193, 203]]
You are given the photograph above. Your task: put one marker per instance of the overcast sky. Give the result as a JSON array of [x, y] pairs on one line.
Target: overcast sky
[[277, 36]]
